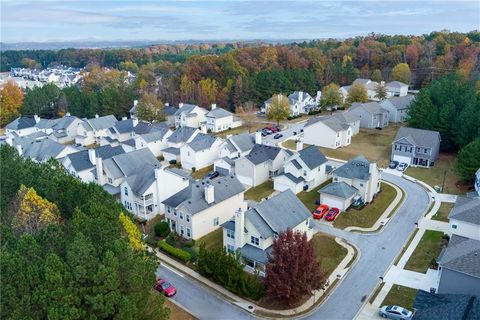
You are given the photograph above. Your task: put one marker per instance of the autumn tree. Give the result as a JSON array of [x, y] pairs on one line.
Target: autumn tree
[[468, 160], [292, 271], [248, 113], [401, 72], [331, 96], [380, 91], [11, 98], [150, 108], [132, 232], [32, 213], [357, 93], [279, 108], [376, 75], [207, 90]]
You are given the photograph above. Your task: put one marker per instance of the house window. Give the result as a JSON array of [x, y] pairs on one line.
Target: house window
[[110, 180], [181, 215], [126, 191], [454, 226], [215, 222], [425, 150], [174, 212], [411, 149], [304, 172], [168, 209], [187, 217], [181, 230], [189, 233], [335, 179], [361, 184], [254, 240], [230, 248], [231, 234]]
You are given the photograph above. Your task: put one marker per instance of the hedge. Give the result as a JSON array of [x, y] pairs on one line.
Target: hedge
[[174, 252]]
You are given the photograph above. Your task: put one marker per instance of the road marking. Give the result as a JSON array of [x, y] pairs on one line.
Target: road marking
[[172, 270]]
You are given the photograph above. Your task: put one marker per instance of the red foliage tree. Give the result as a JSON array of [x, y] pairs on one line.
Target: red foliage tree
[[292, 271]]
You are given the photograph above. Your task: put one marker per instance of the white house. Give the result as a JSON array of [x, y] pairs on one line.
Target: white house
[[396, 89], [22, 126], [327, 131], [234, 147], [189, 115], [300, 103], [356, 177], [122, 130], [44, 150], [304, 170], [176, 140], [203, 206], [369, 85], [372, 115], [262, 163], [252, 232], [218, 119], [91, 131], [156, 141], [201, 152], [397, 107], [464, 218]]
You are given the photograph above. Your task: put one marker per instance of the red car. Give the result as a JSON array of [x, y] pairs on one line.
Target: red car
[[272, 128], [332, 214], [320, 211], [165, 287]]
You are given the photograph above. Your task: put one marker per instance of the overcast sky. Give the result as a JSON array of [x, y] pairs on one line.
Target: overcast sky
[[215, 20]]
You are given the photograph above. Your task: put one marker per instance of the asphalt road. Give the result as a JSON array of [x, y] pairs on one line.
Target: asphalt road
[[287, 133], [377, 253]]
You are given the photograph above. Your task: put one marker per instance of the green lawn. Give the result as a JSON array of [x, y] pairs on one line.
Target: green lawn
[[328, 252], [292, 145], [212, 240], [427, 249], [434, 175], [310, 197], [199, 174], [239, 130], [443, 211], [375, 145], [400, 296], [260, 192], [366, 217]]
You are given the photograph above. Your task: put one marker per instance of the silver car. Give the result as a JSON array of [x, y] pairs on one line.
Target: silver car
[[395, 312], [402, 166]]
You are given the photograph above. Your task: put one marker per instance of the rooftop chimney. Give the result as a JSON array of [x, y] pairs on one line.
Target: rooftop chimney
[[135, 122], [19, 149], [180, 104], [124, 118], [91, 155], [239, 228], [209, 193], [258, 137], [96, 115], [135, 102], [299, 145], [214, 106], [37, 118], [166, 104], [67, 114], [300, 95], [203, 128]]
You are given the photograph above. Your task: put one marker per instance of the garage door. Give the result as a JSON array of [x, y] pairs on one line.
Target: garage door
[[402, 159], [222, 171], [277, 185], [332, 202]]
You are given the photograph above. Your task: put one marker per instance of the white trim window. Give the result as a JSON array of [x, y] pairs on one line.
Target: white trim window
[[231, 234], [254, 240]]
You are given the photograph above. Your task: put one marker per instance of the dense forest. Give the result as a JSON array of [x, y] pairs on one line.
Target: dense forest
[[232, 74], [68, 249]]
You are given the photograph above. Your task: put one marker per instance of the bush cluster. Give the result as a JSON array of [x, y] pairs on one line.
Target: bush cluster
[[178, 253]]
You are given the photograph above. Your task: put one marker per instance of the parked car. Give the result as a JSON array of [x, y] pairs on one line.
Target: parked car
[[266, 131], [395, 312], [272, 128], [320, 211], [402, 166], [165, 287], [212, 175], [393, 164], [278, 136], [332, 214]]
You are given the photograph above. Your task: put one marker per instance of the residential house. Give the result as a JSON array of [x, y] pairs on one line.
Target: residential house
[[262, 163], [300, 103], [202, 206], [252, 232], [349, 118], [459, 265], [201, 152], [416, 147], [122, 130], [446, 306], [82, 164], [371, 114], [396, 89], [156, 140], [91, 131], [234, 147], [65, 129], [327, 131], [464, 218], [44, 150], [178, 139], [397, 107], [22, 126], [369, 85], [356, 177], [144, 191], [219, 119], [169, 112], [189, 115], [304, 170]]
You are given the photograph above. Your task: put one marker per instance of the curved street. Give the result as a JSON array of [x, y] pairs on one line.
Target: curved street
[[377, 253]]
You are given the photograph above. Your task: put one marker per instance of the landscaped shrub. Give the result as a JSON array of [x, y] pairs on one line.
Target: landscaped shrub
[[194, 169], [172, 239], [174, 252], [190, 243], [162, 229], [193, 253], [150, 240], [172, 161]]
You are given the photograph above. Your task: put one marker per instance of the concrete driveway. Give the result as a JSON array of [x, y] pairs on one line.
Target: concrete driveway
[[377, 253]]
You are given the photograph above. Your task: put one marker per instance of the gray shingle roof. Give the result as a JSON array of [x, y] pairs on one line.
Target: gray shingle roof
[[192, 198], [372, 108], [296, 164], [339, 189], [45, 123], [43, 150], [129, 142], [64, 123], [145, 127], [142, 180], [181, 134], [256, 254], [130, 163], [279, 213], [400, 103], [446, 306], [243, 141], [202, 141], [185, 108], [462, 255], [21, 123], [312, 157], [124, 126], [261, 153], [420, 137], [102, 122], [295, 96], [172, 150], [229, 225], [81, 161], [155, 135], [332, 122], [169, 110], [466, 209], [292, 178], [396, 84], [356, 168], [218, 113]]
